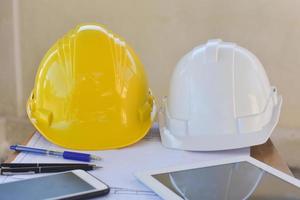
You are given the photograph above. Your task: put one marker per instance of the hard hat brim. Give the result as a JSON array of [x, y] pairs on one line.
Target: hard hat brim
[[76, 138], [207, 142]]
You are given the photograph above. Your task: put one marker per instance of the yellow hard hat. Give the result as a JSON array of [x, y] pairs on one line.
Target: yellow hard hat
[[91, 92]]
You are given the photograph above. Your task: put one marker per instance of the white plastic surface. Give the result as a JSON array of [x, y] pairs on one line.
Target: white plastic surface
[[147, 176], [220, 98]]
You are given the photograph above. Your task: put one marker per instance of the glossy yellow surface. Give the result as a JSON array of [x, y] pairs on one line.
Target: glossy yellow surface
[[91, 92]]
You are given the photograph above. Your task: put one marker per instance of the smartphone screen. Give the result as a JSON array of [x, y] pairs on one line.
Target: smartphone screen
[[229, 181], [47, 187]]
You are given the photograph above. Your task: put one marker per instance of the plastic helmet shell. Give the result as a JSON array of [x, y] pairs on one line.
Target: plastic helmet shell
[[91, 92], [220, 98]]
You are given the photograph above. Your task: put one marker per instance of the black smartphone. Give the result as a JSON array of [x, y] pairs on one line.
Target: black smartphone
[[76, 184]]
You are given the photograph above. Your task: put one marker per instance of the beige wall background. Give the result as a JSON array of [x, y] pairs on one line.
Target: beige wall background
[[7, 74], [160, 32]]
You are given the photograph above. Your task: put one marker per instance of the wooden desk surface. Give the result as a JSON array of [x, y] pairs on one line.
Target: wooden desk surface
[[266, 153]]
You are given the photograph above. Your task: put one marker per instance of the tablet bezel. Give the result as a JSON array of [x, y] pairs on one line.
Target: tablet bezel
[[147, 178], [99, 186]]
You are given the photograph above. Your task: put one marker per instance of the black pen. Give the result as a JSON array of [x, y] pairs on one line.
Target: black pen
[[45, 169], [12, 165]]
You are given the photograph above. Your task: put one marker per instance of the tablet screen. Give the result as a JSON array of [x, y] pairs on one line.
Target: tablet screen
[[229, 181]]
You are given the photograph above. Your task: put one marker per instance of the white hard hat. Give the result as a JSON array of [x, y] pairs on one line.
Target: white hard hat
[[220, 98]]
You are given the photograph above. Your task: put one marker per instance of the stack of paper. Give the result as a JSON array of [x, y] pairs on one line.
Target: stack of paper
[[119, 165]]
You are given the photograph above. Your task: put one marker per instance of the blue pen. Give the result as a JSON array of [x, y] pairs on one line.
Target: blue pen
[[65, 154]]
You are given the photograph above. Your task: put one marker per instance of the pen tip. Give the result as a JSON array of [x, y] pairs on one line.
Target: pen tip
[[94, 157], [96, 167]]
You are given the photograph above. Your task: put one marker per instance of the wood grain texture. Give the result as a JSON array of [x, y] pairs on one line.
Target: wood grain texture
[[14, 154], [267, 153]]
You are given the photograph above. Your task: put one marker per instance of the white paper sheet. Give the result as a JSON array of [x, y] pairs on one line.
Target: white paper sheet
[[119, 165]]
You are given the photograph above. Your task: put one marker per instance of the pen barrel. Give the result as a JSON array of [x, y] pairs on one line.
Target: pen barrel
[[77, 156], [63, 169], [21, 170], [36, 170], [14, 165], [66, 154], [28, 149]]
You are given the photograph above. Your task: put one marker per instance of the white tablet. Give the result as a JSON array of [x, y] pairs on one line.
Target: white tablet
[[233, 179]]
